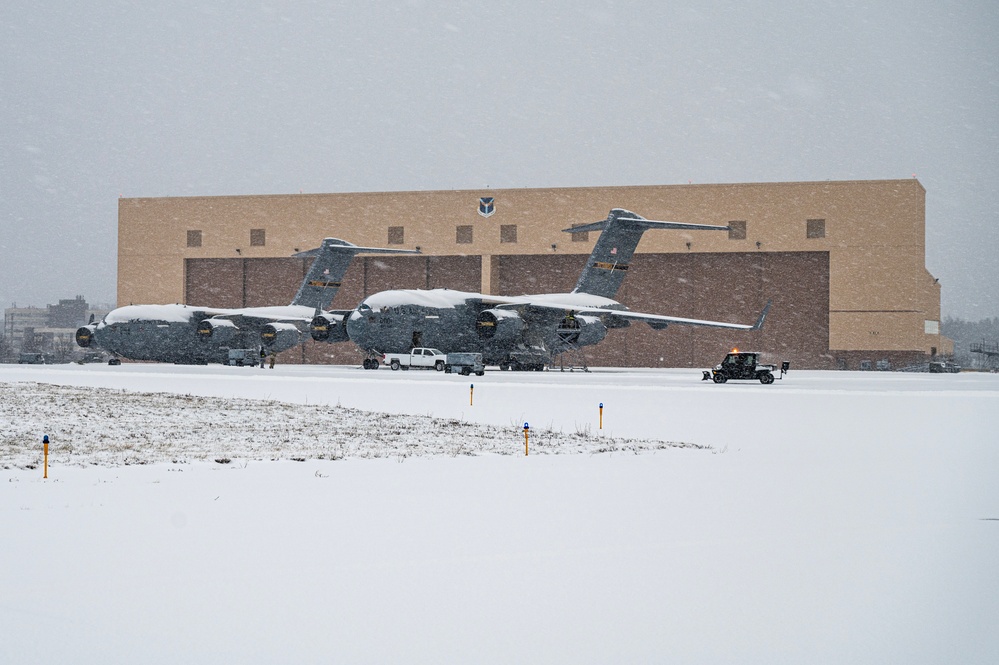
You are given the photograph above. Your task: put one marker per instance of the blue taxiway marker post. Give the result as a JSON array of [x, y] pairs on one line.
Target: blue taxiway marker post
[[45, 445], [527, 428], [471, 393], [601, 415]]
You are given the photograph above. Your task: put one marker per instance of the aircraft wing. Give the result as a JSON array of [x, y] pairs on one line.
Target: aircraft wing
[[661, 321], [253, 317], [654, 320]]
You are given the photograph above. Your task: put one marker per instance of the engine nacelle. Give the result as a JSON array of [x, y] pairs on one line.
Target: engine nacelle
[[280, 336], [581, 330], [499, 325], [329, 328], [591, 330], [221, 331], [85, 336]]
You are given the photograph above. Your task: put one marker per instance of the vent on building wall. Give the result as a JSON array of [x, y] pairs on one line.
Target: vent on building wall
[[815, 228]]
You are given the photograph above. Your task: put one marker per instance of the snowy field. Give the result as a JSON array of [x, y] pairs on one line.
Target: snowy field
[[332, 514]]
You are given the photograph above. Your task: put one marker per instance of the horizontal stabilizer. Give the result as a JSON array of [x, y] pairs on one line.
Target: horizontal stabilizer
[[337, 245], [645, 224]]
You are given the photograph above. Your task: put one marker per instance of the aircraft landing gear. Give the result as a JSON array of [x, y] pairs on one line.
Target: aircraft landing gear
[[518, 366]]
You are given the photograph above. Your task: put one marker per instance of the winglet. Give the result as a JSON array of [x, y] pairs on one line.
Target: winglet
[[763, 315]]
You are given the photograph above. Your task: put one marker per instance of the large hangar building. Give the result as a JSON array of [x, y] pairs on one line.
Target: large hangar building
[[843, 262]]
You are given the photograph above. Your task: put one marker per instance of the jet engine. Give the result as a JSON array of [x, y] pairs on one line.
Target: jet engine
[[330, 328], [85, 336], [217, 330], [580, 330], [591, 330], [280, 336], [499, 325]]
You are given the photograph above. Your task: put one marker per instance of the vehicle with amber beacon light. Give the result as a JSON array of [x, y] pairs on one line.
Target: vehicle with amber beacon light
[[744, 365]]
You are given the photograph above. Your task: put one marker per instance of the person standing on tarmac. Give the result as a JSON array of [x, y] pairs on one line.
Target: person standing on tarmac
[[263, 356]]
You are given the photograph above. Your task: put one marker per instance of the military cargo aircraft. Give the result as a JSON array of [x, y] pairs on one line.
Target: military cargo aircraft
[[187, 334], [522, 332]]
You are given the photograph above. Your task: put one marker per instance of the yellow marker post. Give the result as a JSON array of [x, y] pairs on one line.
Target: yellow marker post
[[601, 415], [45, 444], [471, 392], [527, 428]]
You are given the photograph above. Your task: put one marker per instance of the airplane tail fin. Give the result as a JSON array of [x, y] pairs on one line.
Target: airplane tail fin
[[611, 256], [333, 258]]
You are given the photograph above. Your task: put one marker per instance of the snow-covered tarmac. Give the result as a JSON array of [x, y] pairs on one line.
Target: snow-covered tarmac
[[831, 517]]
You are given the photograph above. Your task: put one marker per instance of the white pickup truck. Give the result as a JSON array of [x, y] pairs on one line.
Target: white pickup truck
[[418, 357]]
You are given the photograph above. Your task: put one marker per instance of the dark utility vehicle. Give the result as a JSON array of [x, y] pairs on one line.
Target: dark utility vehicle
[[464, 364], [743, 365], [27, 358]]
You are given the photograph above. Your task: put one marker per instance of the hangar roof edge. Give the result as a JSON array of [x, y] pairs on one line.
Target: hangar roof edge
[[801, 183]]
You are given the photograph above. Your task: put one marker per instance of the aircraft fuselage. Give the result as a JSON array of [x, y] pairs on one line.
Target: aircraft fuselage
[[458, 321], [178, 334]]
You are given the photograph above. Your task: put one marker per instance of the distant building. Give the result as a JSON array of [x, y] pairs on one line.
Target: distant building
[[68, 313], [50, 329], [844, 262]]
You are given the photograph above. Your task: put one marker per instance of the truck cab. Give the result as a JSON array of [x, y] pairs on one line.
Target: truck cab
[[421, 357]]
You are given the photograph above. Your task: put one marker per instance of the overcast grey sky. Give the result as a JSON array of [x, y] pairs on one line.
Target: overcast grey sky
[[180, 98]]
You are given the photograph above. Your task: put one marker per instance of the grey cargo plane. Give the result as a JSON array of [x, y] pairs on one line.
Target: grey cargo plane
[[199, 335], [517, 332]]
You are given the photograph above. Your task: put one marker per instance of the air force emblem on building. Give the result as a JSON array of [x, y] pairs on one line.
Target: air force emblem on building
[[487, 205]]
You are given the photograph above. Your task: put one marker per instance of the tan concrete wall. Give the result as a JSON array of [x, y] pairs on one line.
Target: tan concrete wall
[[874, 239]]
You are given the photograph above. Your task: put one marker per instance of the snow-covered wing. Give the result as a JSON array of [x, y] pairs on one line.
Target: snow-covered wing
[[660, 320], [249, 317], [654, 320]]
